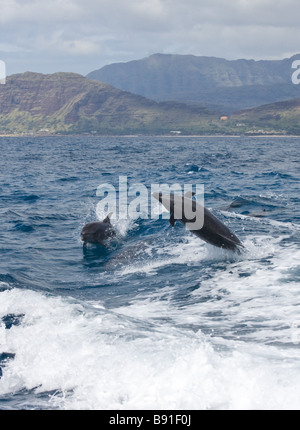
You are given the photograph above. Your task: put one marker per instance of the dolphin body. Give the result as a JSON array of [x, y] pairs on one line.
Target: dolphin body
[[213, 231], [98, 232]]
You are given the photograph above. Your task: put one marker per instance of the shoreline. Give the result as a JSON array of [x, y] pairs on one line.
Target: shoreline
[[150, 135]]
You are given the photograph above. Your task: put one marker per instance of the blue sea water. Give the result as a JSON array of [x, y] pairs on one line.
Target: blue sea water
[[158, 319]]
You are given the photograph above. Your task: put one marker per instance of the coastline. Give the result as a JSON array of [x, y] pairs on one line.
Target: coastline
[[149, 135]]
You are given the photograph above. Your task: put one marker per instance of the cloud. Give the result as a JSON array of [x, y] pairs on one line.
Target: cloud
[[80, 36], [32, 11]]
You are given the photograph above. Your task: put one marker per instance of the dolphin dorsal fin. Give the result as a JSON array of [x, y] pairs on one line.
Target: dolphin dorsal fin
[[172, 219], [107, 219], [189, 194]]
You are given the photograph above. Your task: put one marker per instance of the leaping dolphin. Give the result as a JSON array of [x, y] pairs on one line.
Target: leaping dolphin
[[98, 232], [211, 230]]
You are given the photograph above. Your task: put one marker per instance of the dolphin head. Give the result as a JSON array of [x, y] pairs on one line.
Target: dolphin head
[[94, 232], [98, 232]]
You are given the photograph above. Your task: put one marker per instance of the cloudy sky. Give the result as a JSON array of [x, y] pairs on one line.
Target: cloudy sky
[[83, 35]]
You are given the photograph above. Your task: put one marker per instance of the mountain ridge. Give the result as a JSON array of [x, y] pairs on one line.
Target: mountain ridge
[[215, 82]]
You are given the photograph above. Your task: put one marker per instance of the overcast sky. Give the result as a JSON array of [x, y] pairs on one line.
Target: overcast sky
[[83, 35]]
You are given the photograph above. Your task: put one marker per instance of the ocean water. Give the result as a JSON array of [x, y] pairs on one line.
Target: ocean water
[[158, 319]]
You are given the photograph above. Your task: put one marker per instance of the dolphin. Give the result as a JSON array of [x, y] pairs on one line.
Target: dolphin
[[210, 229], [98, 232]]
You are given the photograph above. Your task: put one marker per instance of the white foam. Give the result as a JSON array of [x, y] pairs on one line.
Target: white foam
[[187, 252], [99, 359], [4, 285]]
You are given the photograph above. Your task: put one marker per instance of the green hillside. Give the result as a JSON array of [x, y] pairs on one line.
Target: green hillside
[[71, 103], [67, 103], [282, 117]]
